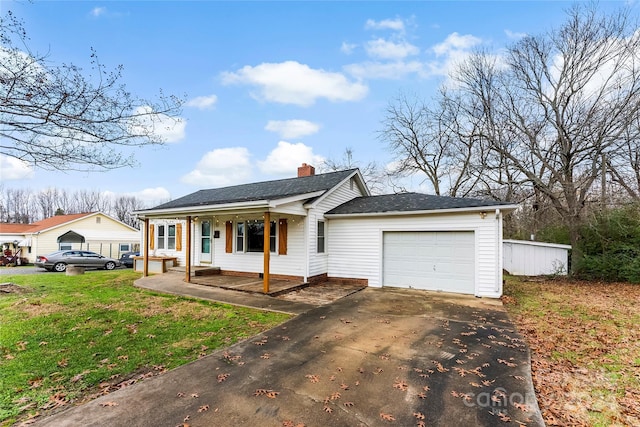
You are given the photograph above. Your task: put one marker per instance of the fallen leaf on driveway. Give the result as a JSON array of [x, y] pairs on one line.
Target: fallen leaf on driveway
[[387, 417], [109, 404]]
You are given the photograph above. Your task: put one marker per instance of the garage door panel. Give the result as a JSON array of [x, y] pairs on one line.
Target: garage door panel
[[430, 260]]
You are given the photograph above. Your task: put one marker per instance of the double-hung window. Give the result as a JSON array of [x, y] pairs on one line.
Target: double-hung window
[[171, 238], [161, 236], [167, 236], [321, 237]]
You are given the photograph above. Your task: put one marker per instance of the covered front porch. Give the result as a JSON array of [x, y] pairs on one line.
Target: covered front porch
[[243, 246]]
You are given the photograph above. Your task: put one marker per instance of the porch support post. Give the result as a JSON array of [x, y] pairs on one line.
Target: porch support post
[[266, 251], [188, 251], [145, 260]]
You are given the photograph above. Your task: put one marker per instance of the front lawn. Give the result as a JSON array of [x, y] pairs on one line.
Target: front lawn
[[64, 339], [585, 344]]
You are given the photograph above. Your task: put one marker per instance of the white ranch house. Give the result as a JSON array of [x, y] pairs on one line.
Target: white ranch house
[[329, 226]]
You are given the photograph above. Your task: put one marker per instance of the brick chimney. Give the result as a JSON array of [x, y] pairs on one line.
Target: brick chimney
[[306, 170]]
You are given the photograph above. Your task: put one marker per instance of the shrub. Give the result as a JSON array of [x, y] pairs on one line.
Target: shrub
[[610, 246]]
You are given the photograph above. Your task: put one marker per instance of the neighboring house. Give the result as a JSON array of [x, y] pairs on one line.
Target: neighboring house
[[94, 231], [529, 258], [329, 226]]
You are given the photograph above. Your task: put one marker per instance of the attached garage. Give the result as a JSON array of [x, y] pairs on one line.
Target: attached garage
[[430, 260], [419, 241]]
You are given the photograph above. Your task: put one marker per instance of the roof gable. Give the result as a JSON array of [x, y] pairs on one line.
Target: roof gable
[[409, 202], [267, 190]]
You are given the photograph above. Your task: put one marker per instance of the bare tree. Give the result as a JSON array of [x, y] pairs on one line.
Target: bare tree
[[541, 122], [59, 117], [557, 103], [123, 206], [47, 201], [430, 141], [373, 174], [91, 201], [18, 206]]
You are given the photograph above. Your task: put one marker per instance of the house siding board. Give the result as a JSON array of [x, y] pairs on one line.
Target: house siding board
[[319, 263], [526, 259], [355, 245]]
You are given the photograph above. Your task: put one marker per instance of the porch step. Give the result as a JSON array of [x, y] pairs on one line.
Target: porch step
[[197, 270]]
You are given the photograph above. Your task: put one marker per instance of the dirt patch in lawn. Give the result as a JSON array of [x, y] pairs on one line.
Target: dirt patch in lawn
[[12, 289], [585, 345]]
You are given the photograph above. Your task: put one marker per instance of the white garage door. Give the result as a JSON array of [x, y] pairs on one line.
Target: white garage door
[[432, 260]]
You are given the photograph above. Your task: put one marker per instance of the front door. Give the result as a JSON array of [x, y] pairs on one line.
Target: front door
[[205, 242]]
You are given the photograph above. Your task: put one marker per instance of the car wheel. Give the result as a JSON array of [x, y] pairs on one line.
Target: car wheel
[[110, 265], [60, 267]]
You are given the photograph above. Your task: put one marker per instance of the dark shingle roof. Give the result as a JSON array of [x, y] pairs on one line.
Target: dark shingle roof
[[407, 202], [267, 190]]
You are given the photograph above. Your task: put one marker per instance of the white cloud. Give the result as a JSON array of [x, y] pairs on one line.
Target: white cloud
[[152, 196], [14, 169], [385, 49], [385, 70], [456, 42], [202, 102], [97, 11], [286, 158], [386, 24], [348, 48], [169, 129], [292, 128], [514, 35], [293, 83], [450, 53], [221, 167]]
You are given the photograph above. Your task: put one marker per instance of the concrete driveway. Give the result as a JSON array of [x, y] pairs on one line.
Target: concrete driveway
[[375, 358]]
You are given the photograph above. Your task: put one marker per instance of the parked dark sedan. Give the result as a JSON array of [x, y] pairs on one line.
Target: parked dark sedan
[[58, 261], [126, 259]]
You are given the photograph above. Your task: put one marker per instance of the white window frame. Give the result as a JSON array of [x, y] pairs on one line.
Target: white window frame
[[243, 247], [321, 239]]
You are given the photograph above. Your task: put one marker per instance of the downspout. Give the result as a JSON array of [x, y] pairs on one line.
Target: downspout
[[499, 264], [305, 239]]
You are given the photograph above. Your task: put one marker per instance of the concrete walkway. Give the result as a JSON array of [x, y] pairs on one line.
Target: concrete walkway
[[375, 358]]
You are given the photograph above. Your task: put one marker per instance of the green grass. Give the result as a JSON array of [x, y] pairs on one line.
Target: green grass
[[71, 336]]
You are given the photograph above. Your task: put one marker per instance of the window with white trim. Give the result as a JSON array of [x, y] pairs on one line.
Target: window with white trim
[[161, 237], [250, 236], [171, 236], [321, 237], [125, 247]]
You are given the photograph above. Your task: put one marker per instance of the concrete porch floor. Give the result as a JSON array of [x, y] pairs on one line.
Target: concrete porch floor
[[253, 285]]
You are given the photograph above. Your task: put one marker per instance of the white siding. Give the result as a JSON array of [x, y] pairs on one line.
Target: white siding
[[180, 255], [47, 241], [319, 263], [523, 258], [291, 264], [355, 245]]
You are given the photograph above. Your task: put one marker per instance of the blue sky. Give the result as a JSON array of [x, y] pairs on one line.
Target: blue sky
[[269, 84]]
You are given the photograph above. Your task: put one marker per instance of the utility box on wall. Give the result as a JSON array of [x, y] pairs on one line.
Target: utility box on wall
[[525, 258]]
